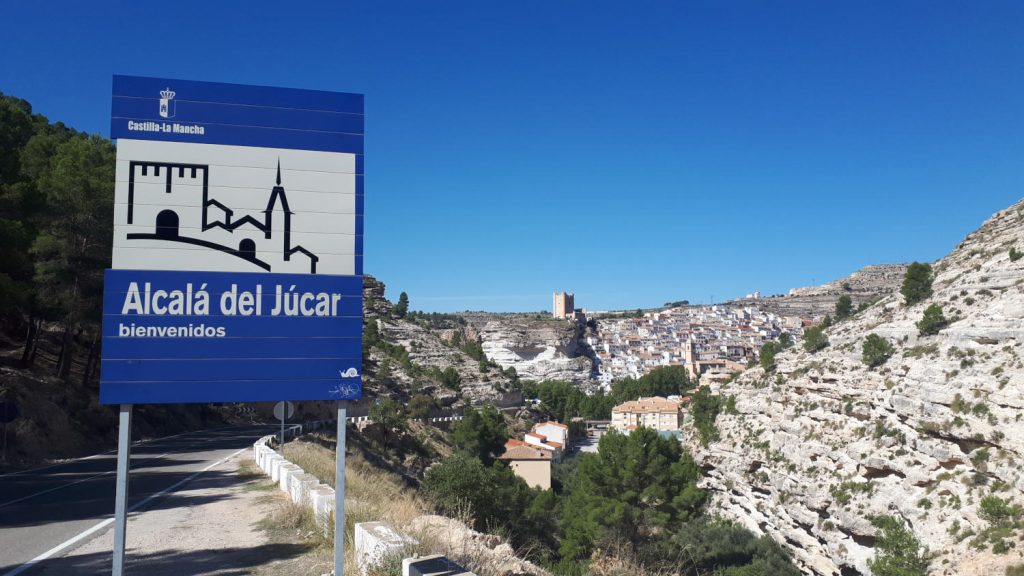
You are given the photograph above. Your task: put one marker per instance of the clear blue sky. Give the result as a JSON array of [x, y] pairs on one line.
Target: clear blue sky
[[634, 152]]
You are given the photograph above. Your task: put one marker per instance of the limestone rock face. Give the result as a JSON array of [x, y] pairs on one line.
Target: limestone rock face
[[426, 348], [821, 444], [539, 348], [374, 303], [865, 285], [431, 348]]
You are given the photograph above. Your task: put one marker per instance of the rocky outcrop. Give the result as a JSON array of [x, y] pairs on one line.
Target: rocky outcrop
[[375, 305], [538, 347], [482, 553], [389, 374], [432, 348], [821, 444], [865, 285]]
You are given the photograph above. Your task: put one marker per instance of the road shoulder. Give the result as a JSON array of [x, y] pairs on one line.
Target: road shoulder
[[209, 526]]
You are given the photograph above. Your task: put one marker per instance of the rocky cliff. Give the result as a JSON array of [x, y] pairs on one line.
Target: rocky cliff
[[865, 285], [817, 447], [538, 347], [427, 346]]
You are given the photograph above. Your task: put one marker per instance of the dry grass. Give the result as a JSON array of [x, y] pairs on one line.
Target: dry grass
[[371, 494]]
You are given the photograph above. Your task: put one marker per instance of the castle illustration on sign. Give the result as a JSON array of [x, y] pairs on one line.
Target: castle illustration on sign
[[163, 193]]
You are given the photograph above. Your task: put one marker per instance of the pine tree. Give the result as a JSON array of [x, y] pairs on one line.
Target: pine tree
[[844, 307], [400, 309], [917, 283]]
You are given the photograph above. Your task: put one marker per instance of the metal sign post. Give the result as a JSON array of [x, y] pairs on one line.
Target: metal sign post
[[283, 411], [339, 492], [124, 446]]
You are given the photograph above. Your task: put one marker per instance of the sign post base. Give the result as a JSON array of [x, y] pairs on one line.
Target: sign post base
[[339, 492], [124, 446]]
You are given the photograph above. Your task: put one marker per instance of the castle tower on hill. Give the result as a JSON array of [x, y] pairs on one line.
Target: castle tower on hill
[[564, 304]]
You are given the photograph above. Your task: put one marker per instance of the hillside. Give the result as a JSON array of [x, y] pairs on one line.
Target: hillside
[[434, 355], [865, 285], [933, 437]]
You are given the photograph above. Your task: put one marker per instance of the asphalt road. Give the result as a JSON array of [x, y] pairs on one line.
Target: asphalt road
[[51, 510]]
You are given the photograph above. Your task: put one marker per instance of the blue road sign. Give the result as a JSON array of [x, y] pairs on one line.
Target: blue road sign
[[238, 244]]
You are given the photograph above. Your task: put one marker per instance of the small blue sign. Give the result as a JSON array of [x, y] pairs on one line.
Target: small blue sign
[[238, 244]]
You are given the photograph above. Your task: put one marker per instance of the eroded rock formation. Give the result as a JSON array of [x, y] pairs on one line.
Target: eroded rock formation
[[824, 442]]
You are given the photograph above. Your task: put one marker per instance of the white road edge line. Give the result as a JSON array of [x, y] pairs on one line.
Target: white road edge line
[[110, 521]]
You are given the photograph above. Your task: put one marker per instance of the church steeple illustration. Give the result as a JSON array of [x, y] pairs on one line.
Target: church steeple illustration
[[217, 215]]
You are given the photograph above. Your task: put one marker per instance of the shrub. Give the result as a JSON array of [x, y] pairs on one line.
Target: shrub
[[897, 551], [705, 407], [932, 321], [768, 352], [420, 406], [876, 350], [917, 283], [815, 339], [844, 307], [998, 511], [1014, 254]]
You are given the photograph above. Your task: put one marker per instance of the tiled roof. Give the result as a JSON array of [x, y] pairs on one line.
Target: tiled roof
[[525, 453], [648, 405]]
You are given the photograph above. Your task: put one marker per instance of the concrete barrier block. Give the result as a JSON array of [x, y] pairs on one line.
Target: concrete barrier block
[[265, 454], [323, 503], [300, 486], [261, 454], [268, 461], [276, 462], [285, 475], [377, 540]]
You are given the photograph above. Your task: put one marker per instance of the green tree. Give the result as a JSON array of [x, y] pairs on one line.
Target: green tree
[[420, 406], [563, 401], [785, 340], [815, 339], [705, 408], [390, 415], [462, 485], [400, 309], [720, 548], [73, 248], [451, 379], [917, 283], [661, 381], [16, 128], [633, 485], [481, 433], [844, 307], [932, 321], [495, 500], [767, 354], [876, 350], [897, 550]]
